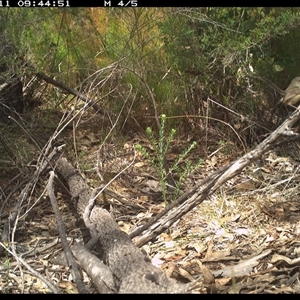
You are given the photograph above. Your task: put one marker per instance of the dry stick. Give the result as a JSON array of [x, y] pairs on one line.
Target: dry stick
[[120, 199], [14, 216], [71, 91], [282, 134], [6, 147], [180, 200], [15, 212], [86, 218], [126, 262], [51, 286], [242, 117], [14, 190], [62, 233], [91, 203], [26, 133], [272, 84], [100, 273]]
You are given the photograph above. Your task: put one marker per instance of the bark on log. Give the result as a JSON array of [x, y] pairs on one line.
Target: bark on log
[[132, 270]]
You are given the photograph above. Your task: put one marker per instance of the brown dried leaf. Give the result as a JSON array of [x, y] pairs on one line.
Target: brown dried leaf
[[208, 277], [185, 274]]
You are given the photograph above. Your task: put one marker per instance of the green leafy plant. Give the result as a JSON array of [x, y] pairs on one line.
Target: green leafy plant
[[157, 159]]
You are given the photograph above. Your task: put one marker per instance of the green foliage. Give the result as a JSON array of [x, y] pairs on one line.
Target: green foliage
[[134, 37], [54, 40], [221, 53], [219, 37], [183, 54], [157, 159]]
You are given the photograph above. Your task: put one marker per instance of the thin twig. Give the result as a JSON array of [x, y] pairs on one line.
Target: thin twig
[[62, 233], [51, 286]]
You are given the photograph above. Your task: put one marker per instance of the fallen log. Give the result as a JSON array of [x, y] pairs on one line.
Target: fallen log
[[131, 268]]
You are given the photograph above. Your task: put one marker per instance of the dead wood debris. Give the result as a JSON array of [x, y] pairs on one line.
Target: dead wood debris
[[132, 271]]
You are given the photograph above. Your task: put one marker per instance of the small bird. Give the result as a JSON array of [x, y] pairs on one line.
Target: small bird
[[292, 93]]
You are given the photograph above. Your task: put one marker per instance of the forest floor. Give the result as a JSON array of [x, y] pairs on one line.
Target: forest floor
[[246, 234]]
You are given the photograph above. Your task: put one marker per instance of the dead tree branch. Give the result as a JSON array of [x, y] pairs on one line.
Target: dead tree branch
[[43, 163], [131, 269], [19, 259], [68, 89], [192, 198], [62, 233]]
